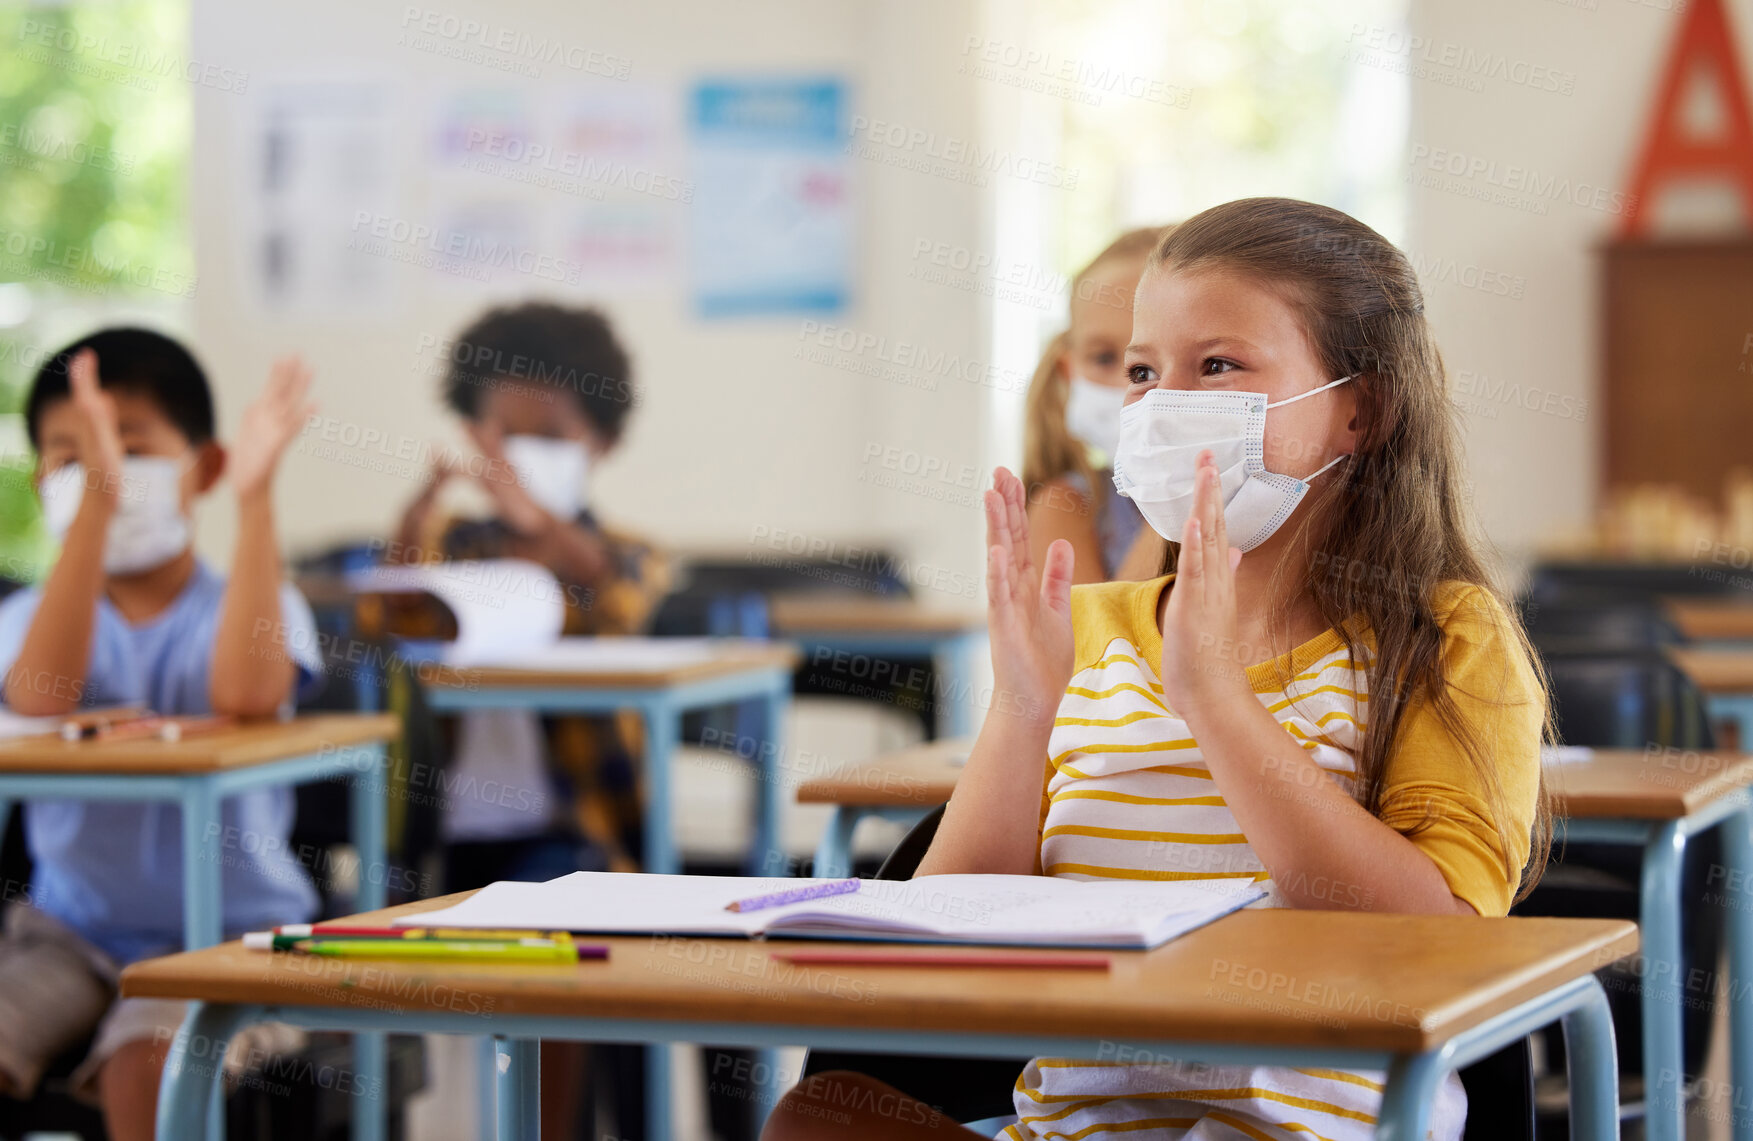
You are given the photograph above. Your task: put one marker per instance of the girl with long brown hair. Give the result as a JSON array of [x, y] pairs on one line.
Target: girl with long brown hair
[[1324, 694]]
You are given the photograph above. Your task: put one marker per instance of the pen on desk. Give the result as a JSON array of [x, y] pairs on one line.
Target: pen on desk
[[794, 895], [352, 930]]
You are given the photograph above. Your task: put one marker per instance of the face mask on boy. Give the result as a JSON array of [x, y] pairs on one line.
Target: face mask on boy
[[1157, 462], [552, 471], [1092, 413], [148, 528]]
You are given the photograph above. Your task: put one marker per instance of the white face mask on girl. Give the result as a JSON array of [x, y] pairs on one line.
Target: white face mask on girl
[[1157, 462], [553, 472], [1092, 414], [148, 528]]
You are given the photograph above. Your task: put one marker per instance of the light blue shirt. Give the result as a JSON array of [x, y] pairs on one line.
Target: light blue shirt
[[113, 870]]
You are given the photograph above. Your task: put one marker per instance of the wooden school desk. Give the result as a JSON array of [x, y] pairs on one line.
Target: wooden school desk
[[730, 670], [1660, 799], [845, 623], [1416, 996], [1726, 678], [1708, 620], [902, 786], [197, 774]]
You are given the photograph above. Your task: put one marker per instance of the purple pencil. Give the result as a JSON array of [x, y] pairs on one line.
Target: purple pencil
[[795, 895]]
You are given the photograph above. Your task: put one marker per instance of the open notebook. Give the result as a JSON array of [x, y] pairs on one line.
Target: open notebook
[[1039, 911]]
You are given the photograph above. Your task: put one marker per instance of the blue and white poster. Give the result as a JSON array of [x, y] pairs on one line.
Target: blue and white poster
[[772, 218]]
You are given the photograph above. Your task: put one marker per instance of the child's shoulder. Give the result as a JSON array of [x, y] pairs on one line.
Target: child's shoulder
[[1469, 610], [1104, 611]]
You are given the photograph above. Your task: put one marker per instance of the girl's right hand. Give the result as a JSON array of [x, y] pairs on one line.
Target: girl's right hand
[[1028, 609]]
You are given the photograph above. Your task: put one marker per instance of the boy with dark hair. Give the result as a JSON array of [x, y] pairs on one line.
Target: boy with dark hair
[[122, 423], [545, 393]]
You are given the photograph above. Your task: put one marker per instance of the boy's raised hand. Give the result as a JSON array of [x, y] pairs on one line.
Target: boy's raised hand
[[1028, 610], [100, 442], [278, 414]]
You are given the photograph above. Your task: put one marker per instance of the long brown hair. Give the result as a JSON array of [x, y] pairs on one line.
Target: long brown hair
[[1049, 449], [1395, 524]]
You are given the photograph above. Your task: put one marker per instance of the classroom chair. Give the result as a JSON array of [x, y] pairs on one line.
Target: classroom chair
[[1500, 1088], [1630, 699], [1604, 582], [1568, 625]]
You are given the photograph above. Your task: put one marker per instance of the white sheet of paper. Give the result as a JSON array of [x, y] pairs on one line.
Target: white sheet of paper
[[16, 725], [506, 609]]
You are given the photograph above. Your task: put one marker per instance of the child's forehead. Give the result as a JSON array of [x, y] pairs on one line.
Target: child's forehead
[[137, 414]]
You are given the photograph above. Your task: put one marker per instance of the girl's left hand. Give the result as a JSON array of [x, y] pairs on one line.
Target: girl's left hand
[[510, 498], [1201, 659]]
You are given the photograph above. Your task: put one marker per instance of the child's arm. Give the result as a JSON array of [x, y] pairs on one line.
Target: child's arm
[[992, 824], [252, 674], [1058, 512], [1324, 850], [49, 672], [411, 533]]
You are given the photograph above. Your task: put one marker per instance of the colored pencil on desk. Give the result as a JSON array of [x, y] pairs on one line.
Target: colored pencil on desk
[[794, 895], [327, 930], [300, 940], [452, 950], [1048, 959]]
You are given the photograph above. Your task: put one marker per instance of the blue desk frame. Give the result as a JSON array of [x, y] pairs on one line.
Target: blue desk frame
[[662, 707], [952, 660], [1580, 1004], [1664, 845], [834, 849], [200, 795]]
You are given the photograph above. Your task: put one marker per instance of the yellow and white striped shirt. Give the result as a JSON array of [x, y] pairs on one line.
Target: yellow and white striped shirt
[[1128, 795]]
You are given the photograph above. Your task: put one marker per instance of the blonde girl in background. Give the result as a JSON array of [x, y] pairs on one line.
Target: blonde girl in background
[[1073, 424], [1326, 695]]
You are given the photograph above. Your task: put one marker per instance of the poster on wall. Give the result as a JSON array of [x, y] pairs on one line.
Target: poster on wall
[[322, 158], [772, 218]]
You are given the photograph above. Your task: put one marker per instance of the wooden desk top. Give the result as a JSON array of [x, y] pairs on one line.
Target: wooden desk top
[[251, 743], [1716, 671], [919, 776], [842, 613], [1711, 619], [1277, 977], [733, 657], [1631, 784]]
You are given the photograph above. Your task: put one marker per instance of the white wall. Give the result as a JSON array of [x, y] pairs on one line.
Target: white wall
[[739, 436], [1534, 468]]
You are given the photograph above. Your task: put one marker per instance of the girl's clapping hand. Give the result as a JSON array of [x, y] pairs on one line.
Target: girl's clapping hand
[[1028, 609]]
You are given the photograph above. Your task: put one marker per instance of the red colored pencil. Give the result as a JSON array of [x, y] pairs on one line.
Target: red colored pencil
[[1050, 959]]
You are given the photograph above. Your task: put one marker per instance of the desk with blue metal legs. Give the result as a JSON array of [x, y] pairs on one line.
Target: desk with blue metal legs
[[197, 775], [848, 637], [661, 679], [1415, 996], [1659, 799], [902, 786]]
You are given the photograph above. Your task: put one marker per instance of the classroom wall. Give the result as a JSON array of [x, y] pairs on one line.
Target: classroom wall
[[741, 441], [1509, 260]]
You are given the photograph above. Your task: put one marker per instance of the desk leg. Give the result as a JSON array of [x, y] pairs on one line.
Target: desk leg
[[1663, 1076], [519, 1088], [954, 667], [1594, 1068], [203, 864], [1738, 855], [663, 729], [1408, 1096], [370, 1049], [189, 1091], [767, 858], [834, 851]]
